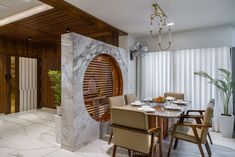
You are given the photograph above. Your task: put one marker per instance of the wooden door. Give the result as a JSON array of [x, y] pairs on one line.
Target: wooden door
[[2, 106], [9, 97]]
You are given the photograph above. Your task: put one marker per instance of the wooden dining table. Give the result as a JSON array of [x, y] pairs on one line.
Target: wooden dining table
[[161, 115]]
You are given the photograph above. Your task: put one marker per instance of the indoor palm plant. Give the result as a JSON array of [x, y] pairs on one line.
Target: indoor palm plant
[[55, 77], [225, 86]]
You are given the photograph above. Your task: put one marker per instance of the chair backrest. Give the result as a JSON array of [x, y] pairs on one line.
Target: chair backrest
[[116, 101], [174, 95], [133, 138], [207, 119], [131, 97], [129, 118]]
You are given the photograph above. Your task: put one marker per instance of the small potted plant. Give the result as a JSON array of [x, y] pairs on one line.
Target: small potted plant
[[55, 77], [225, 86]]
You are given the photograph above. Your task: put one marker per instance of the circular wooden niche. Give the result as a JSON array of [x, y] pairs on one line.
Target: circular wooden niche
[[102, 80]]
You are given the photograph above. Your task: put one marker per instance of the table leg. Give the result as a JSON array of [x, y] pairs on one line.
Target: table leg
[[163, 124]]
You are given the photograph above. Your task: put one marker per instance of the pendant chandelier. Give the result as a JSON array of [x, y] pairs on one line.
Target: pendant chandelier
[[159, 22]]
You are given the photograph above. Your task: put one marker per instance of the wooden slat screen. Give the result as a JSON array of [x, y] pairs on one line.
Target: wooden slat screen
[[102, 80]]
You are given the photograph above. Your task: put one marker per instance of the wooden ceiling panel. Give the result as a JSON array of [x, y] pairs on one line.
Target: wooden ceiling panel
[[49, 25]]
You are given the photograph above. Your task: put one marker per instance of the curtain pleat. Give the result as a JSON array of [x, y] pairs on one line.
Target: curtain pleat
[[160, 72]]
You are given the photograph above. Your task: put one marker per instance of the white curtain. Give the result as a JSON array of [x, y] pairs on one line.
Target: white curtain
[[161, 72]]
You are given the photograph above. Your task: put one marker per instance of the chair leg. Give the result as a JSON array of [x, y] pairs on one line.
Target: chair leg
[[160, 145], [176, 143], [114, 150], [129, 152], [110, 138], [169, 150], [209, 136], [200, 149], [198, 142], [208, 148]]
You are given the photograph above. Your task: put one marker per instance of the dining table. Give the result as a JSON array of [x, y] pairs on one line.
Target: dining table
[[160, 113]]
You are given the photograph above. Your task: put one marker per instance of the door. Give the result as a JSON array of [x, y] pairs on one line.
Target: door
[[28, 82], [2, 106], [9, 97]]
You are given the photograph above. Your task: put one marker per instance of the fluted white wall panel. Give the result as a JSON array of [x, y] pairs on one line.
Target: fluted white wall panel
[[28, 83]]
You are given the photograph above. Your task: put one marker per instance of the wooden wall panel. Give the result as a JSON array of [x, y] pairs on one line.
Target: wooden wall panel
[[49, 54], [2, 110], [51, 60]]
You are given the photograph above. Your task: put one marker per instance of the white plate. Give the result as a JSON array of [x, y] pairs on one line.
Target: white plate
[[172, 107], [137, 103], [146, 109], [180, 102], [170, 98]]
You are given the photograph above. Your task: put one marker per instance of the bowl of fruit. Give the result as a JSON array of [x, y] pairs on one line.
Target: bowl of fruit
[[159, 99]]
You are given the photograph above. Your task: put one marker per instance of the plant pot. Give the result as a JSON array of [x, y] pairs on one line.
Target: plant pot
[[227, 123], [59, 110]]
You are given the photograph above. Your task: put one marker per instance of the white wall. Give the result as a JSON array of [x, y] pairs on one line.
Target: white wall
[[127, 42], [233, 32], [200, 38]]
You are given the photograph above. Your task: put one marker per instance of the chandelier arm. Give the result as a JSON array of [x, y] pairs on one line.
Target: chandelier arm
[[164, 49]]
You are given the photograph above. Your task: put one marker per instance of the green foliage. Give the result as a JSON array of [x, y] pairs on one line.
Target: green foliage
[[225, 86], [55, 77]]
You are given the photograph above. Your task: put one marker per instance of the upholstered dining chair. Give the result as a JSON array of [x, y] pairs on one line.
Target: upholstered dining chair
[[115, 101], [201, 112], [131, 131], [174, 95], [129, 98], [194, 133]]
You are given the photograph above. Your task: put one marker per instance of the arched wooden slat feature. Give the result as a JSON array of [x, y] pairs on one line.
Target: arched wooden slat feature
[[102, 80]]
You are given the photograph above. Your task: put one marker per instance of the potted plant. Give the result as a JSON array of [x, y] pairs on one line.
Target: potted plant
[[225, 86], [55, 77]]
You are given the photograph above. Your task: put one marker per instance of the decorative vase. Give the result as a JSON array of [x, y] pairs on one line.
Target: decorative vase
[[227, 125], [59, 110]]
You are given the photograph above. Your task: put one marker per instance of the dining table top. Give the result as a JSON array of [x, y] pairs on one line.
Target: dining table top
[[161, 110]]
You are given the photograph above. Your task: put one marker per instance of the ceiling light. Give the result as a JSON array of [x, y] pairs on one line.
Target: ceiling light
[[24, 14], [158, 19]]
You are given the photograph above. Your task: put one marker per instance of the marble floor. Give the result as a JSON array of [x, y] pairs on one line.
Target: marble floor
[[31, 134]]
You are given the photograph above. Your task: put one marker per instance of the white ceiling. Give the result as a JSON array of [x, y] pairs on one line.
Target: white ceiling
[[132, 16], [12, 7]]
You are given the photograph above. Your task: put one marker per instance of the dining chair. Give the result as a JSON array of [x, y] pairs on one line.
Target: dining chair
[[174, 95], [115, 101], [131, 131], [201, 112], [129, 98], [194, 133]]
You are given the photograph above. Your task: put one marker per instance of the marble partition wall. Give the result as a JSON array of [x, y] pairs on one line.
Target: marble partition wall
[[78, 128]]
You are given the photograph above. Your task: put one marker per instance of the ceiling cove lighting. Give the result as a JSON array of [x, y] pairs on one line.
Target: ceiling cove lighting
[[24, 14], [159, 22]]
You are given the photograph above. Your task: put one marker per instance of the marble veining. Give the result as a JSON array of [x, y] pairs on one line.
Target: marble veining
[[16, 143], [78, 128]]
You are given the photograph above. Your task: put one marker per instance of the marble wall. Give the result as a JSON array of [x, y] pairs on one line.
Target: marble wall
[[78, 128]]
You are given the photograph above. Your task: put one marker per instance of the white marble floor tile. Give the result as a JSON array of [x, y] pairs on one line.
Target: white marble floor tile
[[32, 134]]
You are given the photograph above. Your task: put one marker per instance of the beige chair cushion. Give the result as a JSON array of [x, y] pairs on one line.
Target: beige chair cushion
[[129, 118], [130, 98], [116, 101], [174, 95], [186, 133], [130, 139]]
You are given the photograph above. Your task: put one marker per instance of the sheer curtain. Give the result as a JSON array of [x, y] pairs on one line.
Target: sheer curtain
[[161, 72]]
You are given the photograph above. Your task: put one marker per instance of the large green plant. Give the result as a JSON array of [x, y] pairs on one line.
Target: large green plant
[[55, 77], [225, 86]]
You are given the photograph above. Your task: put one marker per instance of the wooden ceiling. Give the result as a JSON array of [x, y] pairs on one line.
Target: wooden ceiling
[[49, 25]]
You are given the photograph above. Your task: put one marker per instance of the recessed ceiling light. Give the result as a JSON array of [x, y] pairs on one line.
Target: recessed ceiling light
[[24, 14], [170, 24]]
